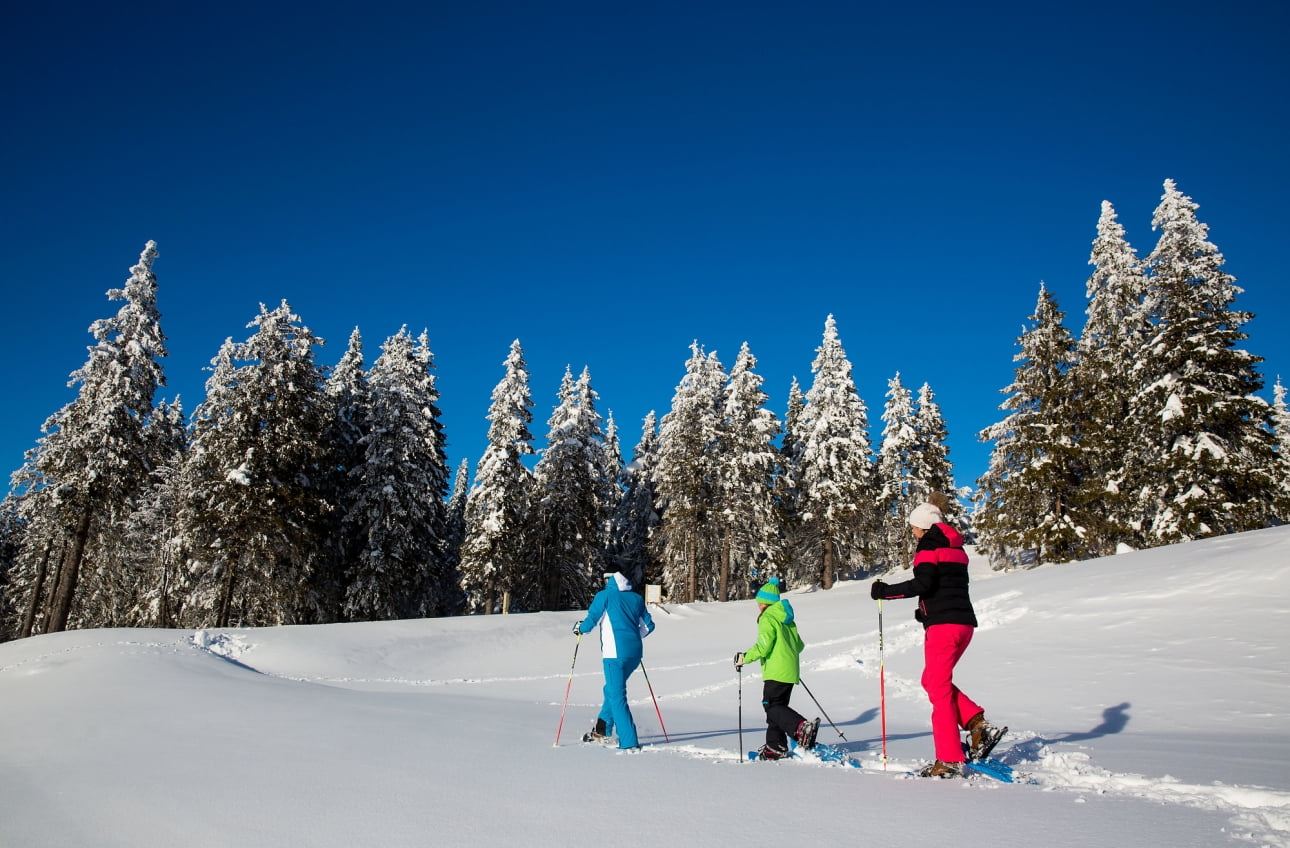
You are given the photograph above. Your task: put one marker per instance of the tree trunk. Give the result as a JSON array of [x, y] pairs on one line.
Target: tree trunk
[[226, 603], [69, 576], [29, 620], [692, 577], [723, 593], [826, 573]]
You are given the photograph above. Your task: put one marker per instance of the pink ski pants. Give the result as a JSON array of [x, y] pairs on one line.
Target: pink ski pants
[[951, 709]]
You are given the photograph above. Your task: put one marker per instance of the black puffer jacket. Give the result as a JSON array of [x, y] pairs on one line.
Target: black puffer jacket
[[940, 579]]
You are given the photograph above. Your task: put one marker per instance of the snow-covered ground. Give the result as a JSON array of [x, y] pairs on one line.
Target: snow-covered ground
[[1147, 695]]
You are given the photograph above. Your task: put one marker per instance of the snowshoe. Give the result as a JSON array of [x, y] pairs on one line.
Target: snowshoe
[[770, 752], [806, 733], [982, 737], [941, 769]]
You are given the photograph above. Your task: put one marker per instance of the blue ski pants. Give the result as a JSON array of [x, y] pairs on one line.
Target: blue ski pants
[[614, 711]]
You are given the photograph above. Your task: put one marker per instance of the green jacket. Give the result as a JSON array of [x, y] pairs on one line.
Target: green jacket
[[778, 644]]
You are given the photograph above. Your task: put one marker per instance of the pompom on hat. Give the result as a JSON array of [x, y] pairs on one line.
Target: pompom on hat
[[769, 593], [925, 515]]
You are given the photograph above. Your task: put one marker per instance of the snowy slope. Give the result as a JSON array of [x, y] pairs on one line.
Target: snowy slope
[[1147, 695]]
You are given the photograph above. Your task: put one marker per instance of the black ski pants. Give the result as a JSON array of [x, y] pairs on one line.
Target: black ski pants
[[781, 719]]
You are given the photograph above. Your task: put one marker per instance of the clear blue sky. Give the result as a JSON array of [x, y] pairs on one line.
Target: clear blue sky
[[609, 182]]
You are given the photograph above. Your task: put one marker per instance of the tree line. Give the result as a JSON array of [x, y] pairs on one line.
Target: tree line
[[298, 493]]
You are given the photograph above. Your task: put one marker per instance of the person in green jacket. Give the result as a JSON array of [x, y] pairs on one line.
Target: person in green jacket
[[778, 646]]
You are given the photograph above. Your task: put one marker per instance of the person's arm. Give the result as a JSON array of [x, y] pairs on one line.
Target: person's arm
[[765, 641], [594, 614], [922, 583]]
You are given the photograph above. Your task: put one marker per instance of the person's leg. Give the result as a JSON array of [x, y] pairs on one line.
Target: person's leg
[[616, 673], [781, 719], [943, 646], [606, 700]]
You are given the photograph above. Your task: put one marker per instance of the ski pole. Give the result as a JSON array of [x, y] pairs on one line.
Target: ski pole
[[821, 709], [740, 671], [567, 687], [656, 710], [882, 687]]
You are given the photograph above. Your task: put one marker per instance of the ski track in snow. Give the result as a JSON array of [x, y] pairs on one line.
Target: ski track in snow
[[1258, 814]]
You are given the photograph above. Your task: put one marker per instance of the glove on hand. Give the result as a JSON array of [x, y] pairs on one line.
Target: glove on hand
[[878, 590], [577, 628], [739, 661]]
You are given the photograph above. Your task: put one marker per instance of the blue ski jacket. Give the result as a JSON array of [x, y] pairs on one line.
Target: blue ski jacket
[[628, 620]]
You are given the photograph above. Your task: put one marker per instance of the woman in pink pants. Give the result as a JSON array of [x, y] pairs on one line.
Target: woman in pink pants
[[940, 582]]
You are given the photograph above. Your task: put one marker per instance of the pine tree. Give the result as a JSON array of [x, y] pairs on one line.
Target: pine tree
[[745, 458], [573, 500], [931, 471], [1281, 430], [684, 480], [454, 601], [802, 554], [1025, 498], [1208, 462], [398, 507], [496, 548], [350, 395], [637, 514], [254, 509], [1113, 334], [93, 457], [837, 482], [894, 469]]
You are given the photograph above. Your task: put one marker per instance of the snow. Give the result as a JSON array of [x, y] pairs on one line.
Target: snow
[[1146, 694]]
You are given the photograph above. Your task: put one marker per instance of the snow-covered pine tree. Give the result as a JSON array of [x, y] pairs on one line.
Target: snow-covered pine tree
[[573, 500], [10, 543], [454, 537], [894, 545], [1207, 465], [931, 471], [254, 510], [1025, 498], [398, 510], [802, 554], [836, 476], [636, 516], [93, 456], [152, 553], [684, 481], [1281, 430], [1113, 334], [745, 458], [496, 554], [350, 395]]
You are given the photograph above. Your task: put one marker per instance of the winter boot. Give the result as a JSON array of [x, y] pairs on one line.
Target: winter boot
[[805, 734], [982, 737], [770, 752], [597, 733], [941, 769]]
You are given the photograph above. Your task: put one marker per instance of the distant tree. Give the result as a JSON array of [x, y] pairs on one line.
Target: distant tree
[[931, 471], [802, 554], [573, 500], [399, 489], [93, 460], [895, 465], [350, 394], [254, 510], [454, 538], [745, 458], [684, 479], [836, 476], [495, 554], [1207, 461], [1114, 332], [1281, 430], [637, 514], [1025, 498]]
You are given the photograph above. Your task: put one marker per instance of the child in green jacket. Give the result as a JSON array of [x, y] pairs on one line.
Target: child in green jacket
[[778, 646]]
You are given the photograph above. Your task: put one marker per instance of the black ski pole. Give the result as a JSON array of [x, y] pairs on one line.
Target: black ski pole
[[821, 709], [740, 671]]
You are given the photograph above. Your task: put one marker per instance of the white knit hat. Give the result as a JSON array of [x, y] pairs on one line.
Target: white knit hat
[[925, 515]]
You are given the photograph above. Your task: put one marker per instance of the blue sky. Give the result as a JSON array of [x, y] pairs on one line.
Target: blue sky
[[610, 182]]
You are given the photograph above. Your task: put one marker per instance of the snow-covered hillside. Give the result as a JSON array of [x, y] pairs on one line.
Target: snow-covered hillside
[[1147, 696]]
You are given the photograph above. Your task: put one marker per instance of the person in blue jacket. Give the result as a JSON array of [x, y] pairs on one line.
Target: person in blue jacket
[[624, 622]]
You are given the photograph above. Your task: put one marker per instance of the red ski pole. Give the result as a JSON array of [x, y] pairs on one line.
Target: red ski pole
[[882, 687], [567, 687], [656, 710]]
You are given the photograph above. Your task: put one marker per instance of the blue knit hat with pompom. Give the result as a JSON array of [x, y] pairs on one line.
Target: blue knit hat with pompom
[[769, 594]]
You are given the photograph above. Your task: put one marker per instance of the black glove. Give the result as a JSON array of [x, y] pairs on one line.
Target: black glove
[[577, 628], [878, 590], [739, 661]]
